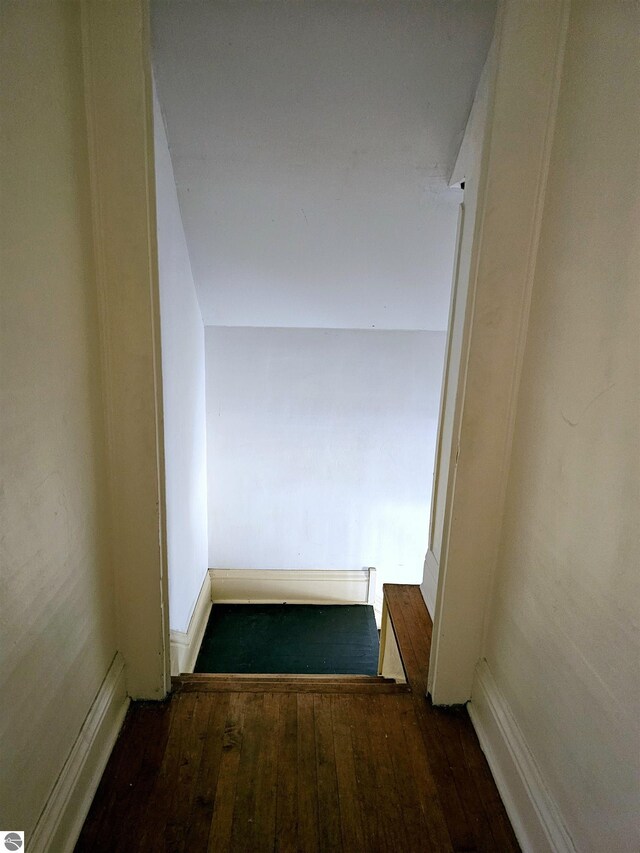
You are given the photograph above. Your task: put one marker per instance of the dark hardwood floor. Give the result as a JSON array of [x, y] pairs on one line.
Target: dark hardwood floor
[[301, 764]]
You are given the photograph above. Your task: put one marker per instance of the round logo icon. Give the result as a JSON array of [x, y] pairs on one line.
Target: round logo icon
[[12, 841]]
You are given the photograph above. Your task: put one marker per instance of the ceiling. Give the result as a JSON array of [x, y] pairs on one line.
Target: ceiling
[[311, 144]]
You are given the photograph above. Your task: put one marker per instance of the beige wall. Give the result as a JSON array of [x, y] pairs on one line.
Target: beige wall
[[562, 638], [57, 635]]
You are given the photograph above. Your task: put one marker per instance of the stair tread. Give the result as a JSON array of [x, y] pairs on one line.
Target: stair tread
[[228, 683], [224, 676]]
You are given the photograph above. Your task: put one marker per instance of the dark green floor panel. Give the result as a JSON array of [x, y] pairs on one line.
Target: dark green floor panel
[[313, 639]]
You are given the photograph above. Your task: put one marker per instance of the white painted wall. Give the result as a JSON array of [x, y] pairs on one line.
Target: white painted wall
[[312, 144], [57, 627], [563, 641], [183, 379], [320, 448]]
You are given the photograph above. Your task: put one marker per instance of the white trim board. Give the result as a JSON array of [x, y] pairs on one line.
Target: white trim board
[[389, 659], [117, 82], [534, 814], [185, 645], [429, 585], [499, 270], [293, 586], [59, 825]]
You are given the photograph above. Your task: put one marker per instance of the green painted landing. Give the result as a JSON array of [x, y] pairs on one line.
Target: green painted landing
[[313, 639]]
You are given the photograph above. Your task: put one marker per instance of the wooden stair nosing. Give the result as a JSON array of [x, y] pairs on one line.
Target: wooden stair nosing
[[414, 640], [287, 686], [282, 676]]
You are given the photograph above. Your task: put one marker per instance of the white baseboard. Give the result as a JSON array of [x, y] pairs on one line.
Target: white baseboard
[[378, 606], [185, 645], [534, 815], [293, 586], [389, 659], [429, 585], [61, 820]]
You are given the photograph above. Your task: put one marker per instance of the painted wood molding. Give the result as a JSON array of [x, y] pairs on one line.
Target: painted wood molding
[[530, 40], [293, 586], [429, 585], [371, 589], [62, 818], [532, 810], [390, 660], [185, 645], [119, 112]]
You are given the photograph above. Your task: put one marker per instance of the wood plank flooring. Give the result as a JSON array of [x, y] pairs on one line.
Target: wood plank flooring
[[301, 764]]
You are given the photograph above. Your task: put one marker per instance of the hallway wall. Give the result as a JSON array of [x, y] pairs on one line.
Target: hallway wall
[[562, 640], [183, 370], [57, 626], [321, 446]]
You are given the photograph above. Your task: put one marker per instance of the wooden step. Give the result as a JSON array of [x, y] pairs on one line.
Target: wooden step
[[412, 628], [278, 676], [284, 683]]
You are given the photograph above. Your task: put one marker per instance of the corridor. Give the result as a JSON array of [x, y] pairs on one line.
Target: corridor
[[291, 763]]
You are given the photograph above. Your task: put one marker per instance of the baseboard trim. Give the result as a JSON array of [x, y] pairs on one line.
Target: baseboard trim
[[533, 812], [389, 659], [61, 820], [429, 585], [185, 645], [293, 586]]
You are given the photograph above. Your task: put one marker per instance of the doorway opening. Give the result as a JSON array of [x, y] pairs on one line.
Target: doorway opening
[[308, 220]]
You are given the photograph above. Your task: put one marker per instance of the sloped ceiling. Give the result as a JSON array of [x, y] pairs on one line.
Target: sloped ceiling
[[311, 144]]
